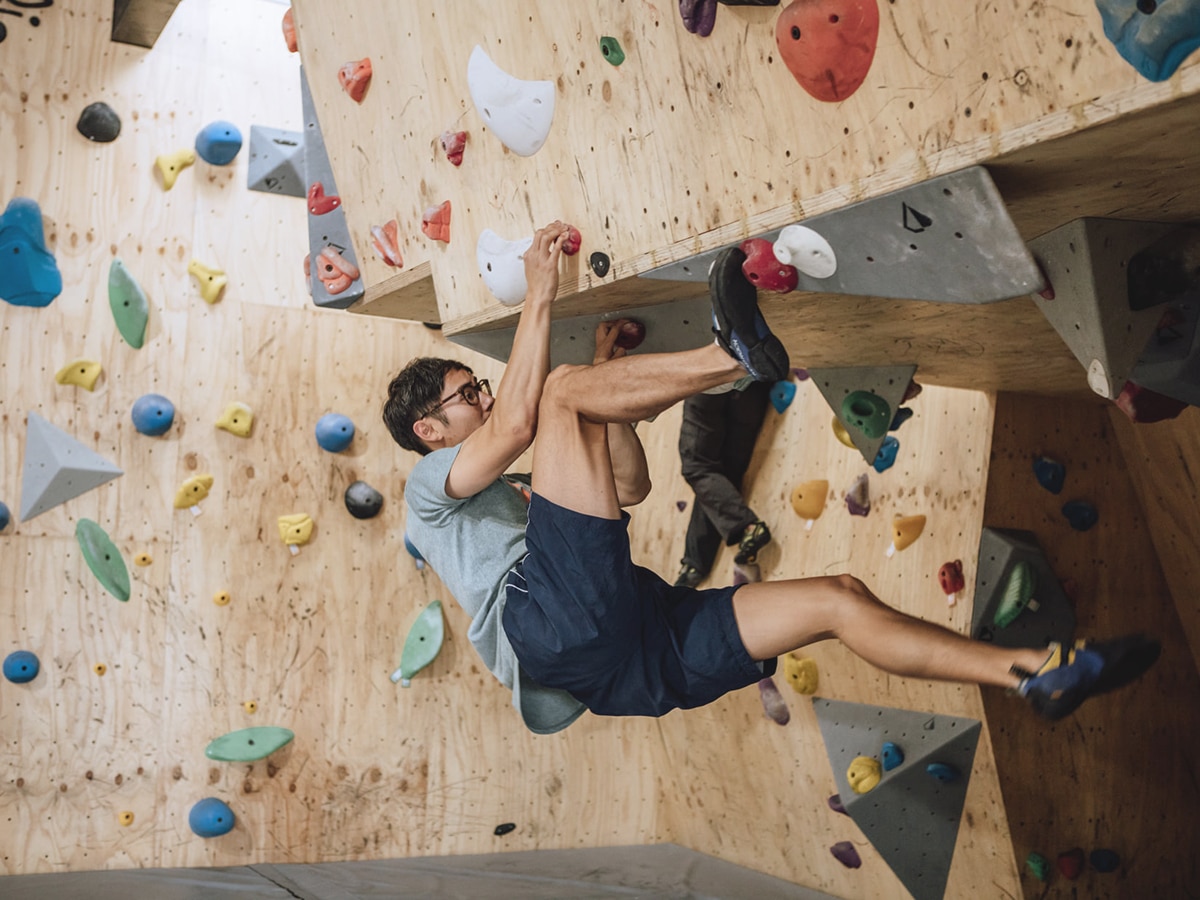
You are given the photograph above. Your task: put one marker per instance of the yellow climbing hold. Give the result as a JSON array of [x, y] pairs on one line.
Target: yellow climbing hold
[[801, 674], [125, 819], [905, 530], [222, 598], [808, 499], [251, 706], [99, 668], [237, 419], [143, 559], [840, 432], [212, 281], [863, 774], [295, 529], [81, 372], [193, 491], [169, 165]]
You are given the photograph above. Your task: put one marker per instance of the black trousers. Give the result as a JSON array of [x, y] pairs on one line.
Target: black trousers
[[716, 442]]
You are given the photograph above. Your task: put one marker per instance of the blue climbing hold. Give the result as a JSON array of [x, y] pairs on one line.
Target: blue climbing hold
[[414, 552], [334, 432], [211, 818], [943, 772], [903, 414], [5, 516], [1153, 36], [30, 276], [218, 143], [153, 414], [782, 395], [1104, 860], [21, 666], [893, 756], [1080, 514], [886, 457], [1050, 473]]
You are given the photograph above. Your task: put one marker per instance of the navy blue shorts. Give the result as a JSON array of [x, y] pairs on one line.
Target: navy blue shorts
[[583, 618]]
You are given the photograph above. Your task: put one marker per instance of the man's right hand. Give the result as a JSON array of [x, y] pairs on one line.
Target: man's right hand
[[541, 262]]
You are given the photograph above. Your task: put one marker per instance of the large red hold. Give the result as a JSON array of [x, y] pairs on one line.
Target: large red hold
[[763, 270], [828, 45]]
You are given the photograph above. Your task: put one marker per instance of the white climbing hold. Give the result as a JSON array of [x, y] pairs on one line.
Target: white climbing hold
[[518, 112], [800, 246], [502, 266]]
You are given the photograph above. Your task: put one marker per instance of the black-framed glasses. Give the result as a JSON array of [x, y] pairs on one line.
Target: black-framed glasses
[[470, 392]]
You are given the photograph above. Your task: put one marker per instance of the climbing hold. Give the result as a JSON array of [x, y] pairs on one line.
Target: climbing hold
[[318, 202], [30, 276], [943, 772], [454, 143], [423, 643], [1018, 592], [886, 457], [840, 432], [169, 165], [192, 491], [867, 412], [248, 744], [355, 78], [630, 335], [435, 222], [773, 705], [222, 598], [903, 414], [57, 468], [681, 505], [828, 47], [5, 516], [782, 395], [502, 266], [1080, 514], [600, 263], [699, 16], [385, 239], [103, 558], [335, 271], [414, 552], [1038, 865], [80, 372], [905, 530], [218, 143], [21, 666], [1070, 863], [800, 246], [863, 774], [746, 573], [892, 756], [288, 26], [610, 48], [858, 498], [295, 529], [808, 500], [125, 819], [128, 302], [1145, 406], [212, 281], [801, 674], [950, 577], [100, 669], [835, 803], [518, 112], [153, 414], [237, 419], [211, 818], [334, 432], [572, 242], [1049, 473], [363, 501], [764, 271], [143, 559], [250, 706], [504, 828], [99, 122], [845, 853], [1104, 860], [1153, 37]]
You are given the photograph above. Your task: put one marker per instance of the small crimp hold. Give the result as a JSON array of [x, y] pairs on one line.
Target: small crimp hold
[[212, 281], [435, 223], [169, 165], [355, 78], [453, 145], [385, 239]]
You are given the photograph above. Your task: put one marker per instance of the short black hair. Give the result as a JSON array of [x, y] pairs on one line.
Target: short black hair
[[411, 393]]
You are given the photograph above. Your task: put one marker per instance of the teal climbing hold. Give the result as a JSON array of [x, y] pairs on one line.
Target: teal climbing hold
[[414, 553], [248, 744], [1022, 581], [423, 643], [5, 516], [30, 275], [867, 412], [1038, 865], [129, 306], [1153, 37], [943, 772], [782, 395], [886, 457], [21, 666], [211, 818], [892, 756], [103, 558], [611, 48]]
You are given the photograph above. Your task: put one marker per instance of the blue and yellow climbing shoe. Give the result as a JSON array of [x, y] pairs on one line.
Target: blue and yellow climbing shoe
[[756, 536], [1071, 675], [739, 326]]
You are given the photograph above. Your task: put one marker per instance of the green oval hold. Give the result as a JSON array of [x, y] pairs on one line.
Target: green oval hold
[[611, 48], [1022, 581], [103, 558], [423, 644], [129, 306], [248, 744], [867, 412]]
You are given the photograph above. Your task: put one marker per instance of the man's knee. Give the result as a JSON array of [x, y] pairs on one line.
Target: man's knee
[[561, 389], [853, 589]]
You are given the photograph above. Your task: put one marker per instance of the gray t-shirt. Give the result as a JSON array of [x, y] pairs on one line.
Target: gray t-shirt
[[472, 544]]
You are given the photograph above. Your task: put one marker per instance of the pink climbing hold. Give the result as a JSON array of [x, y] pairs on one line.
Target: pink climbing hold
[[355, 78], [435, 223], [1144, 406], [319, 203], [386, 241], [453, 145], [828, 45], [950, 577], [763, 270], [335, 271]]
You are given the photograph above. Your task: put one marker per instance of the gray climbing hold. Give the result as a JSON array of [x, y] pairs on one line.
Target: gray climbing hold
[[57, 468]]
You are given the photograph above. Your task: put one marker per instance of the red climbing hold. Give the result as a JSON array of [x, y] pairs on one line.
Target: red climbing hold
[[355, 77], [1070, 864], [289, 31], [319, 203], [1143, 405], [335, 271], [572, 242], [453, 145], [436, 222], [950, 577], [763, 270], [828, 45], [631, 334]]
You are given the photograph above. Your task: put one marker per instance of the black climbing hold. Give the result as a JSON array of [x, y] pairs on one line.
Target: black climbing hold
[[363, 501], [1080, 514], [600, 263], [1050, 473], [100, 123], [1104, 860], [504, 829]]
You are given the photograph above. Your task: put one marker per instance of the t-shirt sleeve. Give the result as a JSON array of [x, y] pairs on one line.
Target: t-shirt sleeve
[[425, 492]]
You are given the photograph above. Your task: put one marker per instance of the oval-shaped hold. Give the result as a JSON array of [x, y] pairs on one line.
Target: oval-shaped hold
[[1038, 865], [950, 577], [1070, 863], [828, 48], [905, 530], [808, 499], [211, 817], [863, 774], [103, 558], [334, 432], [21, 666], [248, 744], [295, 529], [1104, 860], [363, 501], [81, 373], [630, 335], [1080, 514], [125, 819], [610, 48], [193, 491], [504, 828], [250, 706], [867, 412], [802, 674], [143, 559], [1018, 589], [845, 853], [100, 669], [153, 414], [600, 263], [886, 457], [99, 122], [517, 112], [892, 756], [218, 143], [222, 598], [772, 701], [423, 643], [238, 419], [943, 772], [129, 306], [782, 395], [858, 498], [1050, 473]]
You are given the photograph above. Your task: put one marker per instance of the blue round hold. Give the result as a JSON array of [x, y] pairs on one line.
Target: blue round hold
[[218, 143], [5, 517], [211, 818], [21, 666], [153, 414], [334, 432]]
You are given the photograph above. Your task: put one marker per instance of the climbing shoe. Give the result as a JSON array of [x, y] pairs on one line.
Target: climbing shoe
[[739, 326], [689, 576], [1071, 675], [754, 538]]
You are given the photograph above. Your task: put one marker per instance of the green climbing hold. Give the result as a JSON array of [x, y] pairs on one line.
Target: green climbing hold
[[867, 412], [1038, 866], [248, 744], [103, 558], [611, 48], [129, 305], [1022, 581], [423, 643]]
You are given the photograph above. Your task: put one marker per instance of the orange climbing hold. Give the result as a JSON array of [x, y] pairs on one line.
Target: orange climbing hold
[[436, 222], [386, 241], [828, 45], [905, 531], [289, 31], [355, 77], [335, 271]]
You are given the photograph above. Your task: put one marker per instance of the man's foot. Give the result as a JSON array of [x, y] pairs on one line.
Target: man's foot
[[740, 328], [754, 538], [689, 576], [1070, 676]]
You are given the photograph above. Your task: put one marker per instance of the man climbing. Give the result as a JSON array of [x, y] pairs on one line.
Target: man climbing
[[559, 611]]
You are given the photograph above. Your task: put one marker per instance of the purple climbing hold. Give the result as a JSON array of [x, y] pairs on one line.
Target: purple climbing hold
[[844, 852], [801, 374], [681, 505], [858, 498], [773, 703], [699, 16], [1050, 473], [835, 803], [1080, 514]]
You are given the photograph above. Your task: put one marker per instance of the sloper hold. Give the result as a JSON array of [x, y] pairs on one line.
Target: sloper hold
[[21, 666], [773, 703], [218, 143], [103, 558], [849, 386], [248, 744], [57, 468], [518, 112], [153, 414], [211, 817], [130, 309], [501, 266], [422, 645], [828, 47], [99, 122], [30, 276], [1153, 37]]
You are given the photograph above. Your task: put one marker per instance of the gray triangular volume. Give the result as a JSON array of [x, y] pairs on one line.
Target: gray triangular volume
[[911, 818], [330, 229], [57, 468], [887, 382], [276, 161], [1000, 549]]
